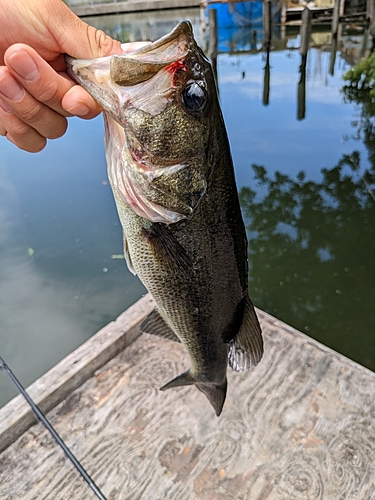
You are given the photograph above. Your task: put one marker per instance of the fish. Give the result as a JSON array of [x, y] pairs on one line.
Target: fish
[[171, 173]]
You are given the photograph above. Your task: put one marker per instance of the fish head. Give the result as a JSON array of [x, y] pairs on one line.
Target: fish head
[[160, 103]]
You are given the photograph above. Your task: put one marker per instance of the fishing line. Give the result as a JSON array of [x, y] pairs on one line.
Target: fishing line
[[49, 427]]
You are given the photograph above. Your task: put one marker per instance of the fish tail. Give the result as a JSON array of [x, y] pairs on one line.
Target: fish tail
[[215, 393]]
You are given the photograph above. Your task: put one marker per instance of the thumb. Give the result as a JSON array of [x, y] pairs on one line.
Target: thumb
[[75, 37]]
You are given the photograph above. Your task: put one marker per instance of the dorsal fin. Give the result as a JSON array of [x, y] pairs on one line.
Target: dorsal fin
[[246, 349], [155, 325]]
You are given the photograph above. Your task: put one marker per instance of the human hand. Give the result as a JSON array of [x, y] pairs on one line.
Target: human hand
[[36, 93]]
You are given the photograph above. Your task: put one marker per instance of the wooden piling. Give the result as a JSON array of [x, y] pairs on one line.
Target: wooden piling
[[336, 18], [283, 13], [267, 24], [304, 48], [266, 81], [301, 92], [342, 8], [305, 31], [212, 46], [332, 60], [370, 11]]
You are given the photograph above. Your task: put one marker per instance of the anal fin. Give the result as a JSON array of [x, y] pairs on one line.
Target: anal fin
[[155, 325], [246, 349]]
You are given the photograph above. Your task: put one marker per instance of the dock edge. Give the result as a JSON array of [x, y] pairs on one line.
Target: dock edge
[[16, 417]]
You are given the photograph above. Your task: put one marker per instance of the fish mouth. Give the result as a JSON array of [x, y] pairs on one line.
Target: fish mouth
[[113, 80], [144, 83]]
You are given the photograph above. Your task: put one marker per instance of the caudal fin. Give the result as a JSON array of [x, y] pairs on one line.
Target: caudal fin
[[215, 393]]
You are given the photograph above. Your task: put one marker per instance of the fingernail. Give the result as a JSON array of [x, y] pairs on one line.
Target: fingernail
[[10, 88], [24, 65], [5, 107], [78, 109]]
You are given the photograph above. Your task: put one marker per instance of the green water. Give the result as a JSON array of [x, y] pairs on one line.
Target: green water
[[312, 255], [306, 188]]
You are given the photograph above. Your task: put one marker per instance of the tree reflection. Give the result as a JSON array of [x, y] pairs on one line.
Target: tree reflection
[[312, 253], [360, 89]]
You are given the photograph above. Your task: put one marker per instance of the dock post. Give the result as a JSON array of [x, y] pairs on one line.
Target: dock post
[[283, 13], [370, 10], [305, 42], [301, 93], [332, 60], [202, 16], [305, 32], [336, 18], [342, 8], [283, 20], [363, 53], [267, 24], [212, 46], [266, 81]]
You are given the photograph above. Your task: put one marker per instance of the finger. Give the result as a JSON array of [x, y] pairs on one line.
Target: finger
[[43, 119], [18, 132], [37, 77], [79, 102], [132, 46]]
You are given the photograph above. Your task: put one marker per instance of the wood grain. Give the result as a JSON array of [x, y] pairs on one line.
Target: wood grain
[[300, 426]]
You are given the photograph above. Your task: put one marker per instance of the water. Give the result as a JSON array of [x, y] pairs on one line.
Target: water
[[311, 235]]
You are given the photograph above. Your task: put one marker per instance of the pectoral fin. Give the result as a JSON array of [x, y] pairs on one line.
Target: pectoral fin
[[155, 325], [127, 256], [168, 250], [246, 349]]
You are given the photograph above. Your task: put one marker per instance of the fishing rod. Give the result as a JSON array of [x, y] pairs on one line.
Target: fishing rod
[[52, 431]]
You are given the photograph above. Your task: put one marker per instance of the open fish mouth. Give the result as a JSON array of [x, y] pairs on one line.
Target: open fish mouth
[[165, 78], [113, 80]]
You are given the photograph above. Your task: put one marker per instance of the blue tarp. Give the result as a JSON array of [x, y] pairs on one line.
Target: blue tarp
[[240, 24]]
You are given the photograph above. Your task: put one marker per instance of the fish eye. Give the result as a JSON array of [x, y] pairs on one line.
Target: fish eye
[[194, 97]]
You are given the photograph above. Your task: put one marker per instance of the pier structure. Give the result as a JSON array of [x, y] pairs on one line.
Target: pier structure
[[299, 426]]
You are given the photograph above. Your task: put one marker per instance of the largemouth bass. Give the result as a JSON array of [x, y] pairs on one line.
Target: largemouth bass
[[171, 172]]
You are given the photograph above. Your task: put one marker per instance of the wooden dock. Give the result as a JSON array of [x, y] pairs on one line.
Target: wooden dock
[[301, 425], [130, 6]]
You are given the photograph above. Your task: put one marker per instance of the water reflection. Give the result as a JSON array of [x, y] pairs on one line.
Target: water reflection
[[312, 253]]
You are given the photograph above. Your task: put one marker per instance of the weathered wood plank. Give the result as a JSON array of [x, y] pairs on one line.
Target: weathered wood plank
[[16, 417], [131, 6], [299, 426]]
